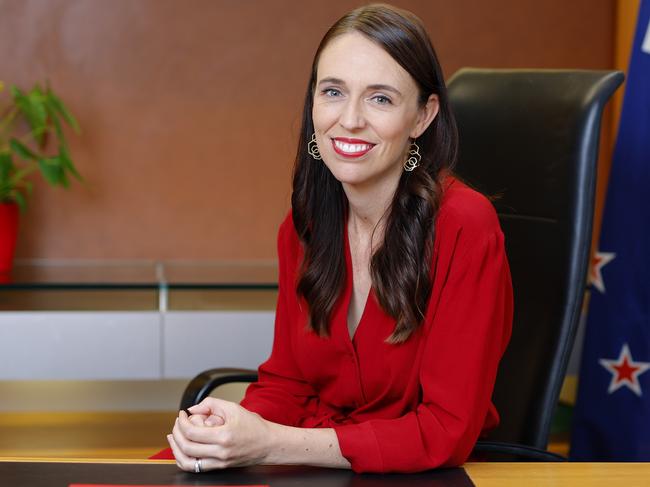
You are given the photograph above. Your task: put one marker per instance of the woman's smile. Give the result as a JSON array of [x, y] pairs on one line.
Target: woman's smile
[[353, 148]]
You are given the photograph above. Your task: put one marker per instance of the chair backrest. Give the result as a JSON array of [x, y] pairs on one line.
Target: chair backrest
[[531, 137]]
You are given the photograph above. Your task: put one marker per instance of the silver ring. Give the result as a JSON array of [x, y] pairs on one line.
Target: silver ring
[[197, 465]]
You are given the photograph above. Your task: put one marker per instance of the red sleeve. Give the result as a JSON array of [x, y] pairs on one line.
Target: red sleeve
[[469, 331], [281, 394]]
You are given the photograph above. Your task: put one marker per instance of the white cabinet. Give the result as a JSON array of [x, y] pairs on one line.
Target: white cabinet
[[107, 345], [195, 340]]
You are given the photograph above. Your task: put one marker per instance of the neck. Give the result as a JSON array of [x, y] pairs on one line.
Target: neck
[[368, 205]]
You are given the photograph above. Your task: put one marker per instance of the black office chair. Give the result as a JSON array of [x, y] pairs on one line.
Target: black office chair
[[530, 138]]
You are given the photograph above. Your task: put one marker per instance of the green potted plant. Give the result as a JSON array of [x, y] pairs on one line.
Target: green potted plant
[[31, 141]]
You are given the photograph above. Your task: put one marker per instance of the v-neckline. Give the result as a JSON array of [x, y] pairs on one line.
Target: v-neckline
[[350, 291]]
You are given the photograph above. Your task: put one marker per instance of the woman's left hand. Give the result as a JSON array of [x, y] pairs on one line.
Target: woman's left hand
[[227, 436]]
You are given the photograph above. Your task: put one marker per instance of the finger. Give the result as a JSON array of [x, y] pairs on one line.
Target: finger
[[198, 420], [193, 449], [185, 452], [215, 409], [197, 434], [198, 409], [188, 463], [214, 420], [206, 420], [210, 405], [201, 408], [183, 461]]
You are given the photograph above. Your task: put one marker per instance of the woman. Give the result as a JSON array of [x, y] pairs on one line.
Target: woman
[[395, 301]]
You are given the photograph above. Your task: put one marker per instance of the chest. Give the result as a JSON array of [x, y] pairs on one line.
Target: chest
[[355, 365], [361, 284], [348, 371]]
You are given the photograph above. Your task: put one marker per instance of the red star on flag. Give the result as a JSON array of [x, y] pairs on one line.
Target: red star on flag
[[598, 261], [625, 371]]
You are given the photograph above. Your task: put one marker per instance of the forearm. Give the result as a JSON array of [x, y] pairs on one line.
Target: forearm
[[304, 446]]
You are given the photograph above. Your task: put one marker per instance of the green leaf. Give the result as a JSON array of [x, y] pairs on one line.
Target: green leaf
[[20, 200], [39, 124], [15, 92], [65, 182], [52, 171], [4, 191], [32, 106], [6, 166], [57, 126], [25, 186], [67, 163], [57, 104], [22, 150], [18, 177]]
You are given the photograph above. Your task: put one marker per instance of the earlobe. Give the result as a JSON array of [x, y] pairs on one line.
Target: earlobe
[[427, 115]]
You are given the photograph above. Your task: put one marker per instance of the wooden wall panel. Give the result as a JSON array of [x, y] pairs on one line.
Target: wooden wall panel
[[190, 109]]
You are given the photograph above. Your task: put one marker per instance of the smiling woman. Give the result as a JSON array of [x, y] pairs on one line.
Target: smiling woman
[[395, 300], [375, 81], [366, 106]]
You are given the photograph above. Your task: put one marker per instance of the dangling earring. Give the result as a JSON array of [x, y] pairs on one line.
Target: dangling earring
[[312, 148], [414, 158]]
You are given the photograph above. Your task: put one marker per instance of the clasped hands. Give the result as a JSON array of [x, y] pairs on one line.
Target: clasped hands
[[221, 433]]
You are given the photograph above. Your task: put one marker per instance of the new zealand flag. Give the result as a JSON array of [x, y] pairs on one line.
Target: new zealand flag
[[612, 414]]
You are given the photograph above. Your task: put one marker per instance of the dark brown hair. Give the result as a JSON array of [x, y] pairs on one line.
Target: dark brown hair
[[400, 266]]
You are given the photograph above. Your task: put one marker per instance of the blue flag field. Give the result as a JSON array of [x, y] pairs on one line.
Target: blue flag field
[[612, 414]]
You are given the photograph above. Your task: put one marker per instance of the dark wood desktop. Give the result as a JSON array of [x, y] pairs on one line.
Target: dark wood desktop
[[63, 473]]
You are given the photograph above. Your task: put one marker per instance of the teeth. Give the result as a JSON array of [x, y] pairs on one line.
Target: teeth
[[352, 148]]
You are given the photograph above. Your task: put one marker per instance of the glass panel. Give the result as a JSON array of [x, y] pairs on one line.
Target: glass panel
[[78, 299], [222, 299], [140, 274], [260, 275], [43, 274]]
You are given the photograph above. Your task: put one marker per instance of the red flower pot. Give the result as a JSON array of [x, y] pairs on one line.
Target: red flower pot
[[8, 234]]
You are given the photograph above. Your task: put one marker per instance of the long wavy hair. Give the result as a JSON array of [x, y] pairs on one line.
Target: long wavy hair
[[400, 265]]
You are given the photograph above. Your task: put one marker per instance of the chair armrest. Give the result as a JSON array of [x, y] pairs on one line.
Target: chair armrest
[[529, 453], [203, 384]]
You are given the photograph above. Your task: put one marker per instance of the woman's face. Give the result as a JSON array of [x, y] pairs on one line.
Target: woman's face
[[366, 111]]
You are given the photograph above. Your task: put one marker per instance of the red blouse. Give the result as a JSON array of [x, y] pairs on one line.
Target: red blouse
[[408, 407]]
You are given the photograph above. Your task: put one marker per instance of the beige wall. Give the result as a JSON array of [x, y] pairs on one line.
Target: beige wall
[[190, 109]]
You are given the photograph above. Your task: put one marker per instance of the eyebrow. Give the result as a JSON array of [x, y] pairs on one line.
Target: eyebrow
[[338, 81]]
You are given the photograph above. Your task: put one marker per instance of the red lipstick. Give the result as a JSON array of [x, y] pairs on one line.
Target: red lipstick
[[351, 148]]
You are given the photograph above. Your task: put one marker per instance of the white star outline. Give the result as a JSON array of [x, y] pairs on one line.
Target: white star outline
[[600, 260], [611, 365]]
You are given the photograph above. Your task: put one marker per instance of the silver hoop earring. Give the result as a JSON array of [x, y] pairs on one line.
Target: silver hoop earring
[[312, 148], [414, 158]]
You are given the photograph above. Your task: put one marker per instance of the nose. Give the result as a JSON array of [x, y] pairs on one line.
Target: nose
[[352, 116]]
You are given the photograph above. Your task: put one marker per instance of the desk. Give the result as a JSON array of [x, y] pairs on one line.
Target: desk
[[26, 473], [41, 472], [559, 474]]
